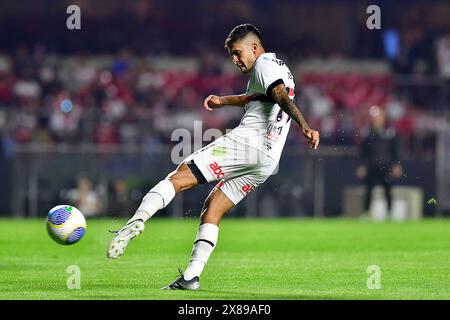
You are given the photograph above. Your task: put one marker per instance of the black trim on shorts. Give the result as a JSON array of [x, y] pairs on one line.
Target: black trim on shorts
[[196, 172], [273, 85]]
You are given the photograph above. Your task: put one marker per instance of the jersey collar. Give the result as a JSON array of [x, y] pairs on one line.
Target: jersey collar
[[265, 54], [268, 54]]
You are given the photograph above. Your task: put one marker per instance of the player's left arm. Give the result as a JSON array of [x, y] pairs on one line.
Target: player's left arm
[[281, 96]]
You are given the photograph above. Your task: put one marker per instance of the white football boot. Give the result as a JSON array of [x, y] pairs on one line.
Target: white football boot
[[122, 237]]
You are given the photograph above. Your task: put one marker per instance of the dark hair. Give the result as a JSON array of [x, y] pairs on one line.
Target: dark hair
[[240, 32]]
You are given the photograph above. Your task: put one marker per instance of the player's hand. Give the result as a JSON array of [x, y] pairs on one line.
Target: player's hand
[[313, 137], [212, 102]]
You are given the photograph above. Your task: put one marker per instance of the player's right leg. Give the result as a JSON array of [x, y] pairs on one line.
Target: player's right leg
[[195, 169], [184, 177]]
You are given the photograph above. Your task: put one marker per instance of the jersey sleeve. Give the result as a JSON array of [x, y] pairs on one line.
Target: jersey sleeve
[[268, 75]]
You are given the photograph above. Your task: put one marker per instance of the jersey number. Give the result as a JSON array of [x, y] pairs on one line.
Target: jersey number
[[282, 116]]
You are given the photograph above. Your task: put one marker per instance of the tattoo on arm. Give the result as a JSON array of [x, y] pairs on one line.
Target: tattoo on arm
[[280, 95]]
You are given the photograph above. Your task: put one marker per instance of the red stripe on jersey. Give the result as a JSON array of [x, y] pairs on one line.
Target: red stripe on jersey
[[291, 92]]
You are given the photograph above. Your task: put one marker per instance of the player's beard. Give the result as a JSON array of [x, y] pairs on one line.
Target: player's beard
[[243, 68]]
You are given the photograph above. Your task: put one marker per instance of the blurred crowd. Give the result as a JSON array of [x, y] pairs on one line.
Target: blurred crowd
[[117, 199], [128, 99], [104, 100], [62, 88]]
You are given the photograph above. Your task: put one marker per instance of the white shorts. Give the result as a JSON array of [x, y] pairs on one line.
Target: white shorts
[[239, 168]]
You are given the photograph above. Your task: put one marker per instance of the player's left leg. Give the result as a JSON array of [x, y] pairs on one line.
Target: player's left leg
[[216, 206], [214, 209], [222, 198]]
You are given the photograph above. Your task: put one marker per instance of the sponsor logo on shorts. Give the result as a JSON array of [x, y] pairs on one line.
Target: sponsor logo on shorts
[[247, 188], [217, 170]]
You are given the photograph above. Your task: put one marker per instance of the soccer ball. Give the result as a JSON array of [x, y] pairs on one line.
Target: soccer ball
[[66, 224]]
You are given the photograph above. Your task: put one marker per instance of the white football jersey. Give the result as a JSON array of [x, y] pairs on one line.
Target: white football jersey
[[264, 125]]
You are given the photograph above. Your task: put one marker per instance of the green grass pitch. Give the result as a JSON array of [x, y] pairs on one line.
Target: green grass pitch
[[254, 259]]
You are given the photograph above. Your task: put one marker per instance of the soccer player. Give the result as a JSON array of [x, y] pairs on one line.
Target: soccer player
[[240, 160]]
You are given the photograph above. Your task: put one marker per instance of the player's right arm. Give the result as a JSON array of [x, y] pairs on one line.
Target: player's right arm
[[214, 102]]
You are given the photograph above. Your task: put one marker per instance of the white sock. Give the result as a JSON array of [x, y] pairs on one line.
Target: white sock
[[204, 245], [156, 199]]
